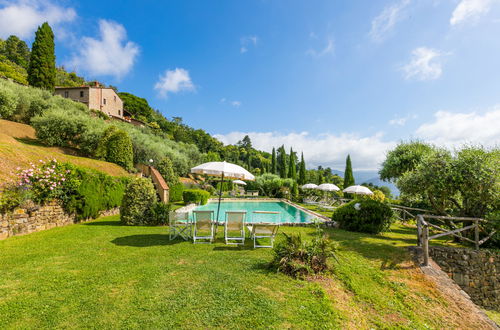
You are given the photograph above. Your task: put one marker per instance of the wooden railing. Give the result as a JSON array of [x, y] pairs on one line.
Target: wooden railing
[[424, 224], [405, 213]]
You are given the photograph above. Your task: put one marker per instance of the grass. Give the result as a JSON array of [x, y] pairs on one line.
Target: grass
[[104, 275], [19, 147]]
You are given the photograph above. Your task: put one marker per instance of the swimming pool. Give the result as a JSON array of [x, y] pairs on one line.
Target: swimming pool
[[287, 213]]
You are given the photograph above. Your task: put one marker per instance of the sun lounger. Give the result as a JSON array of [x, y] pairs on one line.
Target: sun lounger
[[235, 223], [179, 225], [203, 227], [259, 229]]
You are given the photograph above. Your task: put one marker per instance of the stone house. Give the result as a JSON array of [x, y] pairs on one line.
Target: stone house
[[95, 97]]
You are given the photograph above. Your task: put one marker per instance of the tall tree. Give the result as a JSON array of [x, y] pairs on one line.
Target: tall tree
[[302, 170], [292, 165], [274, 168], [16, 51], [42, 67], [348, 176], [282, 162]]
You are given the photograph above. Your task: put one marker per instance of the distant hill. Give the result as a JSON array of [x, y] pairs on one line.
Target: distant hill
[[370, 177]]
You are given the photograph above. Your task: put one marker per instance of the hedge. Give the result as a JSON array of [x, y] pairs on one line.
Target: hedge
[[95, 193], [365, 215], [176, 192], [197, 196]]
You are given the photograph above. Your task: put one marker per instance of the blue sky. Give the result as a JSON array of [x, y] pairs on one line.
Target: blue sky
[[326, 77]]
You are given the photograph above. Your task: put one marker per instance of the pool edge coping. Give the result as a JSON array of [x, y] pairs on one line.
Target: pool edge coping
[[284, 200]]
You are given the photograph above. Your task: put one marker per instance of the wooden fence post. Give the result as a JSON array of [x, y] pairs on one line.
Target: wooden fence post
[[419, 229], [425, 245]]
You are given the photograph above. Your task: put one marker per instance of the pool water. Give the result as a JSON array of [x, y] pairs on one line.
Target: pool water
[[287, 213]]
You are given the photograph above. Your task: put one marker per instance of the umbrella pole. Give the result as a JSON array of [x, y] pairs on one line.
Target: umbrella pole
[[220, 196]]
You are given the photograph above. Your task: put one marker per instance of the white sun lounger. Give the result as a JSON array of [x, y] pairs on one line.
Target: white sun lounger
[[263, 230], [204, 223], [235, 222]]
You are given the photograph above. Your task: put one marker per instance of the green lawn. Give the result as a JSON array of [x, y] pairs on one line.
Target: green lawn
[[104, 275]]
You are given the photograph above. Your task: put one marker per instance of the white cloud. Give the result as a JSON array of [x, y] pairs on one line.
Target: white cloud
[[325, 149], [328, 49], [425, 64], [453, 129], [383, 24], [111, 55], [21, 18], [246, 42], [233, 103], [401, 121], [470, 10], [174, 81]]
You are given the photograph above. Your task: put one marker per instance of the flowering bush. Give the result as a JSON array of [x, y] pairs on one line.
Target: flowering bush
[[49, 180]]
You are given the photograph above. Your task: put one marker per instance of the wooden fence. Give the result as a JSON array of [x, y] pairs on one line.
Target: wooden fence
[[424, 236]]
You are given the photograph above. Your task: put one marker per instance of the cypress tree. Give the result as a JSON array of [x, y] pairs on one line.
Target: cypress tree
[[283, 168], [274, 169], [348, 176], [302, 170], [292, 167], [42, 67]]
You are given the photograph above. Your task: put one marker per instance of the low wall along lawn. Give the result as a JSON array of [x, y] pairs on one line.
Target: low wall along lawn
[[23, 221], [476, 272]]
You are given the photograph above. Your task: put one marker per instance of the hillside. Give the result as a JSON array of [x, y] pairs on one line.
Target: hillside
[[19, 147]]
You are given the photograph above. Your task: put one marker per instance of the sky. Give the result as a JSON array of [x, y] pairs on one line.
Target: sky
[[328, 78]]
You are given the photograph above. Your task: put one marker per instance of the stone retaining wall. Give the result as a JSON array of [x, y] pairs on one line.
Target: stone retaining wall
[[476, 272], [23, 221]]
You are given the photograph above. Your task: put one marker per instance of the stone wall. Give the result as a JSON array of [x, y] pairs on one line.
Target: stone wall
[[23, 221], [476, 272]]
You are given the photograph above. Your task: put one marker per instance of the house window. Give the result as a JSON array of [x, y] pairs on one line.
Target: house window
[[81, 93], [115, 97], [104, 101], [119, 112], [66, 94]]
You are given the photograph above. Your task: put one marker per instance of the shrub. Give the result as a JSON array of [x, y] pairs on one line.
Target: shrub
[[294, 257], [176, 192], [197, 196], [364, 215], [159, 213], [119, 149], [12, 197], [8, 102], [165, 167], [139, 197], [378, 195]]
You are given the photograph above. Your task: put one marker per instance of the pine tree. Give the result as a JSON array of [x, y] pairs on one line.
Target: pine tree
[[274, 168], [348, 176], [42, 67], [302, 170], [292, 166], [16, 51]]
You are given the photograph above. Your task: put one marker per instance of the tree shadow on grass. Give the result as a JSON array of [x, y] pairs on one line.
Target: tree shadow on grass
[[145, 240], [104, 223]]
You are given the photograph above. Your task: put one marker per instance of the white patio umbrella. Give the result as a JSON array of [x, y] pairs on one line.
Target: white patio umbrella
[[224, 170], [328, 187], [309, 186], [358, 190], [240, 182]]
